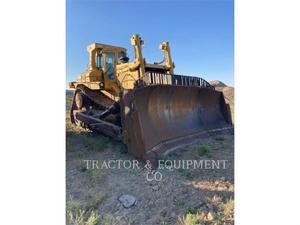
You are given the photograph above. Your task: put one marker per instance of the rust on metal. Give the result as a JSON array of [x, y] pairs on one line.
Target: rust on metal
[[154, 114]]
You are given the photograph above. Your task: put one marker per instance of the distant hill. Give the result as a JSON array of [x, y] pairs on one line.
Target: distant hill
[[217, 84]]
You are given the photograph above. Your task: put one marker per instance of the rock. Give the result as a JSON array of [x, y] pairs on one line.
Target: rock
[[209, 216], [118, 218], [155, 188], [127, 200], [163, 213], [173, 214]]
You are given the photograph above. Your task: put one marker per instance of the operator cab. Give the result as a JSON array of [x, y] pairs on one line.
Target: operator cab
[[106, 58]]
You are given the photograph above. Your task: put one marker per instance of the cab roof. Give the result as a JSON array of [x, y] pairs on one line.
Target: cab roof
[[105, 47]]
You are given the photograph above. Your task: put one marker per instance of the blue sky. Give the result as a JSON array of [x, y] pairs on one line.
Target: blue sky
[[201, 33]]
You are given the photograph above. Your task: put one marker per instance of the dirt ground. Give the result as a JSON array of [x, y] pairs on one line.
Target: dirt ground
[[183, 196]]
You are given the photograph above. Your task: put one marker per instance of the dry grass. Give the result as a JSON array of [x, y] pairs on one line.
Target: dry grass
[[82, 217], [94, 176], [204, 150], [108, 219], [188, 174], [92, 198], [196, 218], [217, 213], [189, 219], [79, 213], [214, 185], [228, 209], [87, 141]]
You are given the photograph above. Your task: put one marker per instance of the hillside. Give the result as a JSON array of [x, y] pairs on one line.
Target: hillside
[[217, 84]]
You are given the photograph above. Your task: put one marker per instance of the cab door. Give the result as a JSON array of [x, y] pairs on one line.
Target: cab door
[[110, 65]]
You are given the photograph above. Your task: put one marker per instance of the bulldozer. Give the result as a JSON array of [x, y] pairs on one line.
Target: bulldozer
[[145, 105]]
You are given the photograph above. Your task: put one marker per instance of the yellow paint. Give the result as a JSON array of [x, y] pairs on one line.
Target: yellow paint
[[123, 75]]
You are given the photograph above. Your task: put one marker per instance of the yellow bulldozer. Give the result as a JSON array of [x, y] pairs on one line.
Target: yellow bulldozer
[[146, 106]]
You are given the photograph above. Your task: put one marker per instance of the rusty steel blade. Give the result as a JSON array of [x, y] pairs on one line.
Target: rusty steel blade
[[154, 115]]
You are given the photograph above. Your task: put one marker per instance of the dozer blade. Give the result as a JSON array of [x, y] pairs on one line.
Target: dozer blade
[[160, 118]]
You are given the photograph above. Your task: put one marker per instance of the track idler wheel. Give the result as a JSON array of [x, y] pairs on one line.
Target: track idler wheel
[[81, 101]]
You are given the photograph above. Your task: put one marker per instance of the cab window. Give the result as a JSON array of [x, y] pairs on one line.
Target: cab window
[[110, 64], [99, 60]]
